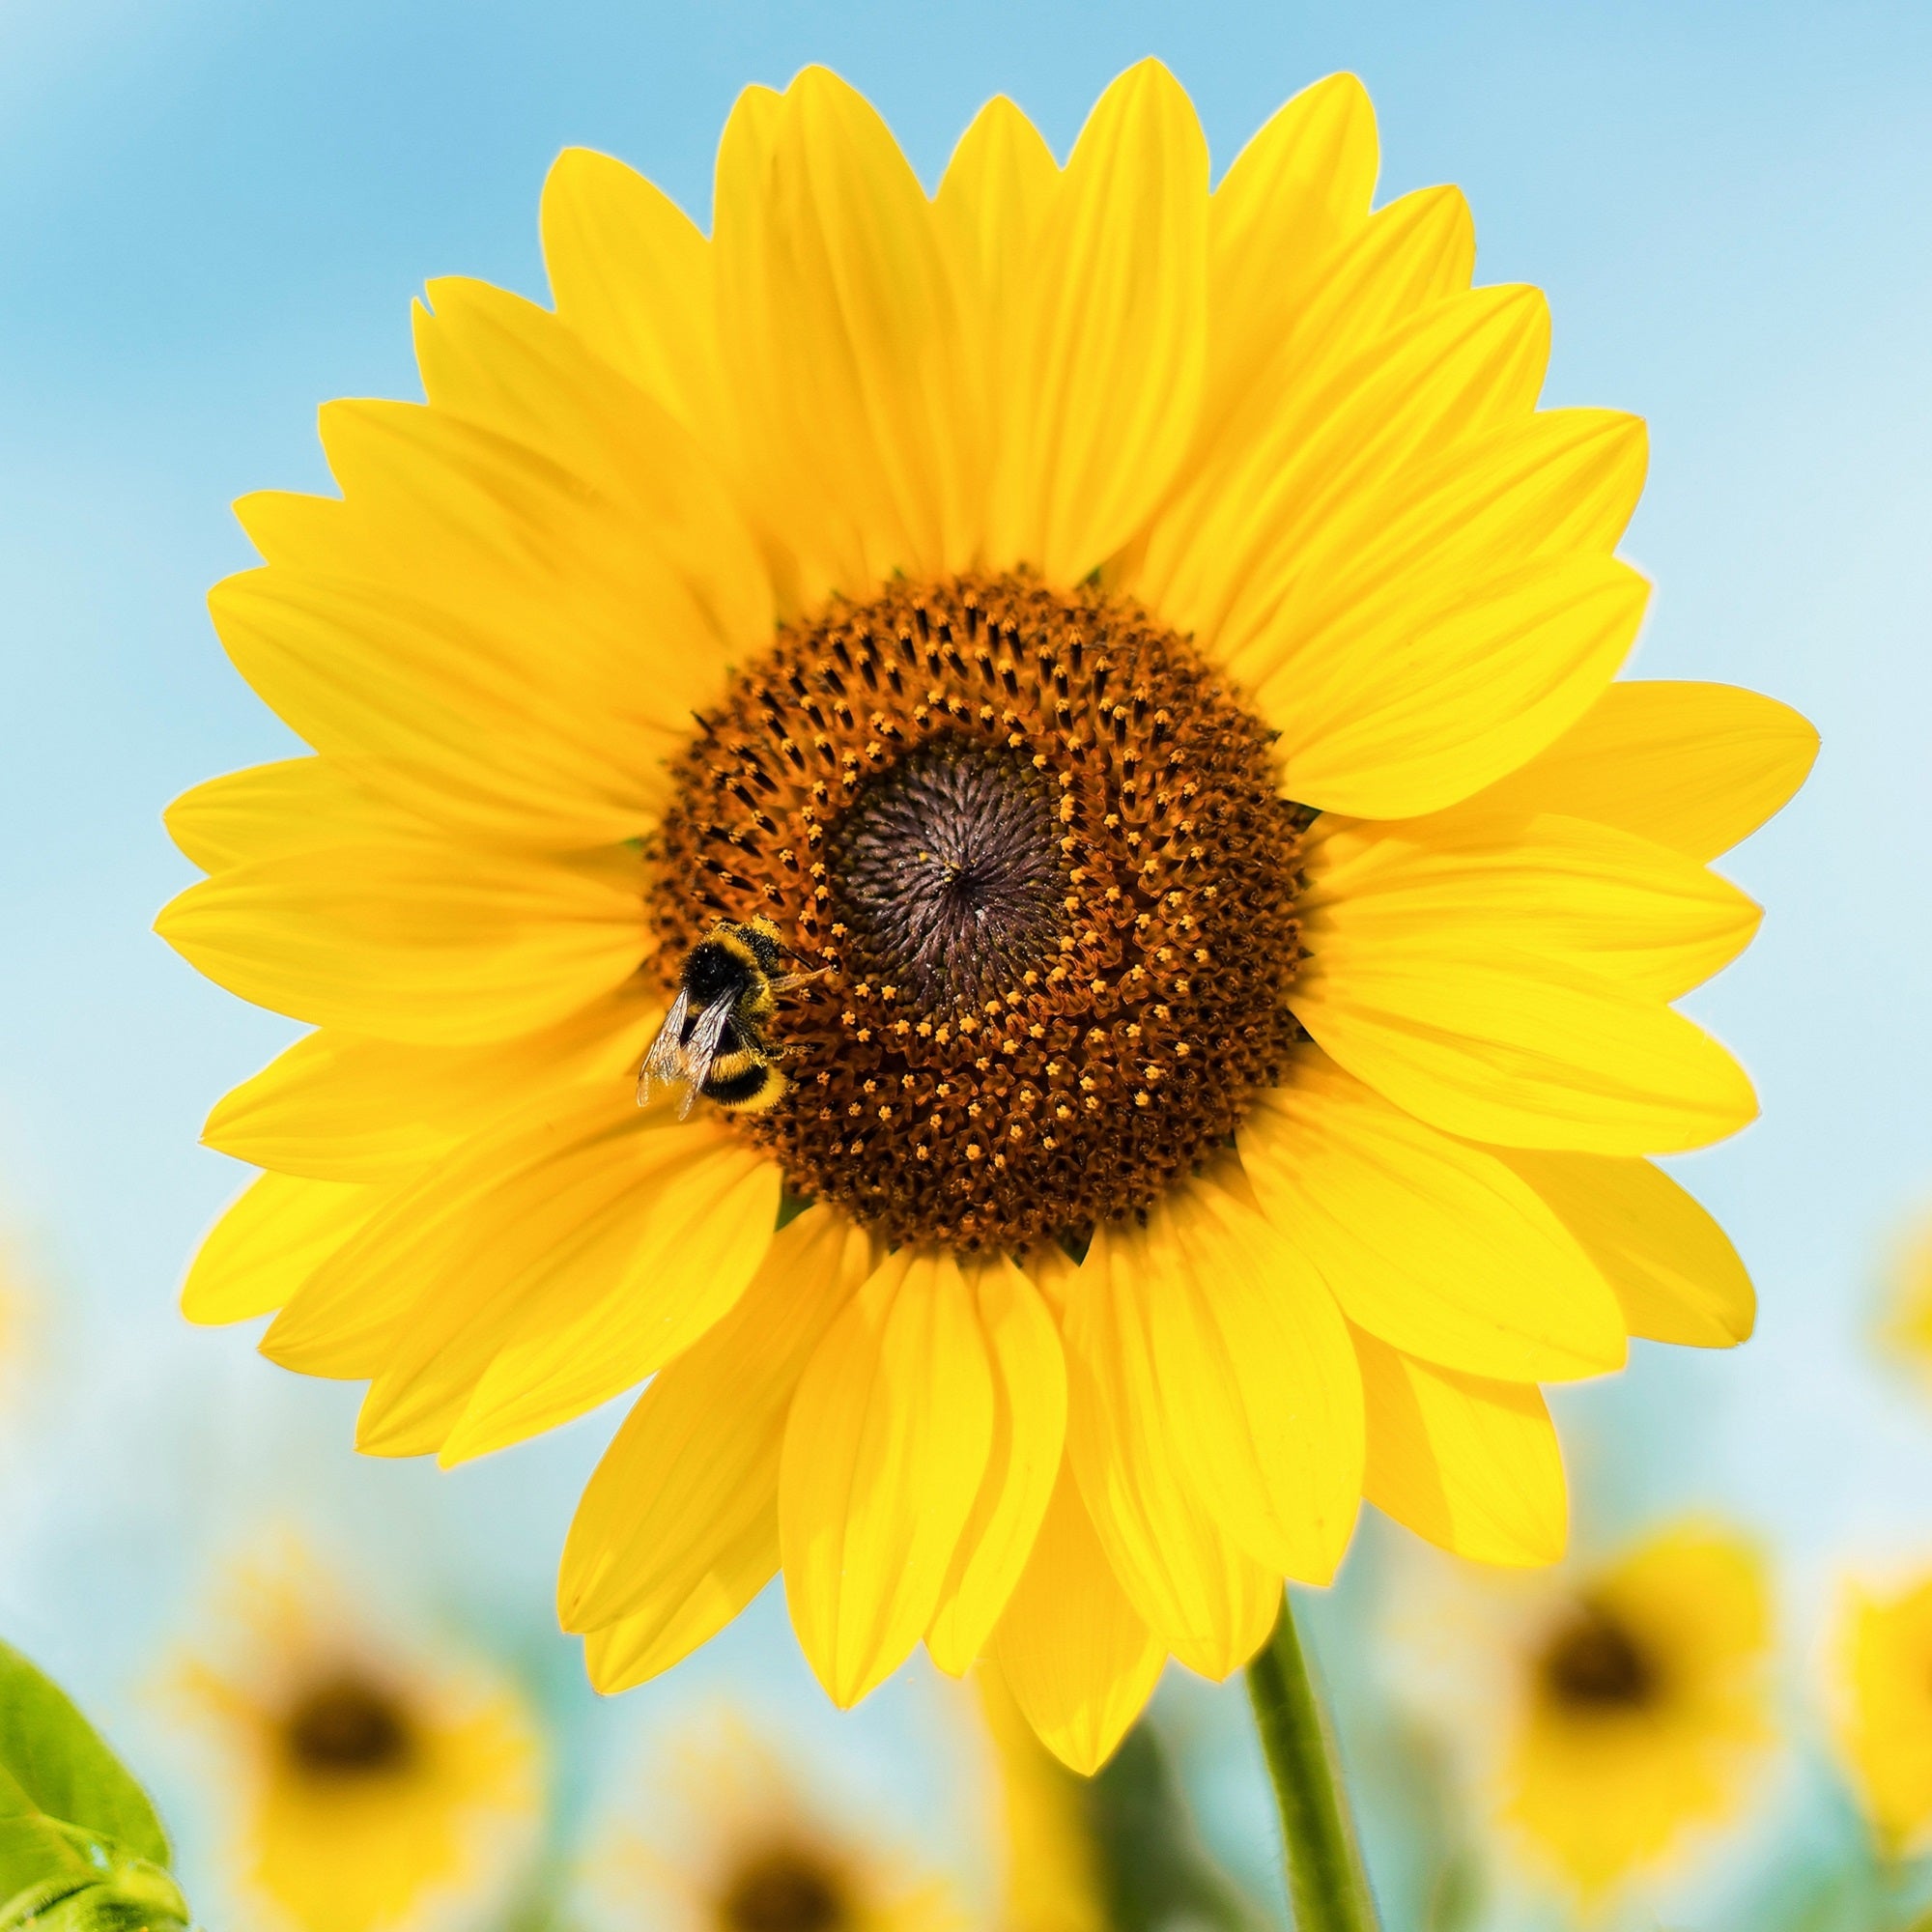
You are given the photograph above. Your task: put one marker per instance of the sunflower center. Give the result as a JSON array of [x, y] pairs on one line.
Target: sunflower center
[[783, 1890], [947, 868], [1594, 1666], [1039, 849], [346, 1728]]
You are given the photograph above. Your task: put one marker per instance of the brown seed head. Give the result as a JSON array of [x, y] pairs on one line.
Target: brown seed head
[[1041, 848]]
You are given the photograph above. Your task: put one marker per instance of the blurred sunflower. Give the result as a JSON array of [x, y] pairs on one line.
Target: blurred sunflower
[[1643, 1708], [1147, 652], [726, 1842], [1886, 1717], [1611, 1712], [368, 1787]]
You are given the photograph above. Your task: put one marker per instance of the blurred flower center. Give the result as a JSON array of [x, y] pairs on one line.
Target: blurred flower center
[[1595, 1664], [1042, 849], [785, 1889], [347, 1727]]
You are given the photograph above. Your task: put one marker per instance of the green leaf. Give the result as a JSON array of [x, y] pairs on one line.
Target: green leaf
[[71, 1814], [64, 1766]]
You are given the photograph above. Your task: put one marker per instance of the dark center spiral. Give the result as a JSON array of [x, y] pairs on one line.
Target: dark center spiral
[[948, 863], [1040, 850]]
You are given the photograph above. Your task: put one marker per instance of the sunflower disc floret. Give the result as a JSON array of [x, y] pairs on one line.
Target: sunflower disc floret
[[1040, 851]]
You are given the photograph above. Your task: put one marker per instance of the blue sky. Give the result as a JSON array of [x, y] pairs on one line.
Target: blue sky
[[212, 217]]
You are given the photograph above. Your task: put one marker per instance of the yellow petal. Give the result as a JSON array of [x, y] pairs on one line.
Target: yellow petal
[[603, 604], [524, 677], [269, 811], [1512, 1023], [1052, 1881], [687, 1248], [1528, 1053], [417, 940], [1080, 1663], [600, 529], [991, 207], [548, 593], [1329, 451], [1325, 315], [695, 1469], [528, 1221], [1435, 1246], [337, 1107], [1203, 1597], [1114, 346], [1261, 1395], [333, 1107], [632, 275], [344, 1328], [1401, 708], [993, 200], [1693, 766], [1673, 1268], [1541, 486], [267, 1242], [885, 1449], [287, 527], [1469, 1464], [1297, 188], [625, 1654], [1562, 889], [513, 369], [1029, 1436], [842, 321]]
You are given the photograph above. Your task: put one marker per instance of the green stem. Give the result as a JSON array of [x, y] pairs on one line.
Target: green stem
[[1326, 1884]]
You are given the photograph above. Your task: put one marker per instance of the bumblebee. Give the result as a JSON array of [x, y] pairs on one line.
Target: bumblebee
[[713, 1040]]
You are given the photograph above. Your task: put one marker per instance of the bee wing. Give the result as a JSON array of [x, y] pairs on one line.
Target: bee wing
[[664, 1060], [700, 1050]]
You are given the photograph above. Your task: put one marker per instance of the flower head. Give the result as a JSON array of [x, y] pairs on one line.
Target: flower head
[[1608, 1712], [1149, 660], [369, 1787], [1644, 1710]]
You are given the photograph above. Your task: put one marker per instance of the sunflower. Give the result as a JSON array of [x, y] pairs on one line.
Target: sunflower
[[1608, 1712], [726, 1842], [1151, 661], [369, 1787], [1885, 1713]]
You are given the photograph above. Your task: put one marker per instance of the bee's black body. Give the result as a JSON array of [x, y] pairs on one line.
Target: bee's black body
[[714, 1038]]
